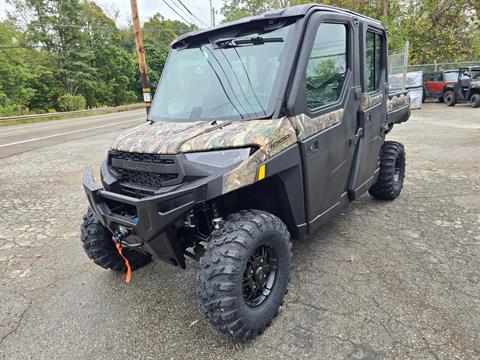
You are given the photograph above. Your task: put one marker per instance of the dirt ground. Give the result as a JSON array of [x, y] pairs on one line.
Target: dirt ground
[[412, 291]]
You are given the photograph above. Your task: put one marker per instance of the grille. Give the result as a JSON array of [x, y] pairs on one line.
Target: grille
[[146, 158], [145, 179]]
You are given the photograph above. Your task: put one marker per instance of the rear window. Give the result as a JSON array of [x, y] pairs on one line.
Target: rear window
[[450, 76], [374, 60]]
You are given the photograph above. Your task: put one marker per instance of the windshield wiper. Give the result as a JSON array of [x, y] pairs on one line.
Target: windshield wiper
[[235, 42]]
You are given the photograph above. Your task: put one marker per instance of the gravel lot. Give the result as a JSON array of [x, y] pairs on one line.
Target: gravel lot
[[413, 291]]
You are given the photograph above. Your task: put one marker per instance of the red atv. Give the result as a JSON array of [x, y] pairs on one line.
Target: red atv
[[453, 86], [435, 84]]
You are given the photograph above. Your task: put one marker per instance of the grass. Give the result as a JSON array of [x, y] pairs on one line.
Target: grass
[[56, 116]]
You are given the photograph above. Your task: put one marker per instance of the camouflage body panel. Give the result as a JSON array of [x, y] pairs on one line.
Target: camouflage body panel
[[275, 137], [159, 137], [306, 126], [269, 136], [367, 101], [475, 84], [259, 133], [397, 102]]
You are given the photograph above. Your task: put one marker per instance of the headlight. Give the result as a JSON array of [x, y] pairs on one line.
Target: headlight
[[221, 158]]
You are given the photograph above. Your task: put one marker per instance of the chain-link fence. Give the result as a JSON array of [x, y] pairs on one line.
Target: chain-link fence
[[403, 76], [443, 66], [397, 69]]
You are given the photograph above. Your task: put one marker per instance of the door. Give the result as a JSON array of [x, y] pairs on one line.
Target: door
[[322, 106], [371, 114]]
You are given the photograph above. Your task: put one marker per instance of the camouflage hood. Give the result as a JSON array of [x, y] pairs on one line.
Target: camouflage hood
[[172, 137], [270, 136]]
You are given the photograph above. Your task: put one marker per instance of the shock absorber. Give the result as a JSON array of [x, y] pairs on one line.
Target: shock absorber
[[216, 217]]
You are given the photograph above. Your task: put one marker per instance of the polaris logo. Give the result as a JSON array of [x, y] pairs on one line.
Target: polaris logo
[[279, 141]]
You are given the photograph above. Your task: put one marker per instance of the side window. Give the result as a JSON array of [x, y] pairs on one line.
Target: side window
[[327, 65], [374, 60]]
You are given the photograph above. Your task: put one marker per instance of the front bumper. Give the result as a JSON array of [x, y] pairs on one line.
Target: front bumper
[[148, 219]]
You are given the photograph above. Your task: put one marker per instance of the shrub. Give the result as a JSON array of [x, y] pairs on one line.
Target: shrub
[[69, 102]]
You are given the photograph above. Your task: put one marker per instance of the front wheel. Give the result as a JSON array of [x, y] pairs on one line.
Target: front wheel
[[99, 246], [449, 98], [392, 172], [244, 273], [475, 101]]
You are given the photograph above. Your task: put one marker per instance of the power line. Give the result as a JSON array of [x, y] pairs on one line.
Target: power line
[[183, 31], [176, 12], [191, 18], [191, 13]]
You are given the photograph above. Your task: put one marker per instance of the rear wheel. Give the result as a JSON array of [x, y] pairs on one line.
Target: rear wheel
[[392, 172], [99, 246], [244, 273], [449, 98], [475, 101]]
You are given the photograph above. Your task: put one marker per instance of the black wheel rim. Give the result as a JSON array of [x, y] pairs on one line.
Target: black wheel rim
[[260, 275]]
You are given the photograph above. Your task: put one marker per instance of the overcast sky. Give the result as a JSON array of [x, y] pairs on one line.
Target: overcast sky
[[146, 8]]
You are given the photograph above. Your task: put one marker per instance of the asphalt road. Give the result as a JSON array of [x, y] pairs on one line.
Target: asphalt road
[[21, 138], [411, 292]]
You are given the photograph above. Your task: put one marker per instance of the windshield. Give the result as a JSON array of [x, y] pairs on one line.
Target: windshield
[[209, 82], [450, 76]]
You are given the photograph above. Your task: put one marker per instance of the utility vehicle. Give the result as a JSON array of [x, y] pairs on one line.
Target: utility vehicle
[[259, 132], [465, 87], [435, 83]]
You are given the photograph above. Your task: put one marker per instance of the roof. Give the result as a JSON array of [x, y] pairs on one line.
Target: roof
[[290, 12]]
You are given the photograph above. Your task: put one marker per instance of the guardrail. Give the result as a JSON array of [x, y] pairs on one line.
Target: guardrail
[[55, 114]]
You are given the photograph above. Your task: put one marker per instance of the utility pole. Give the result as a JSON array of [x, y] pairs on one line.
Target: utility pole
[[142, 63], [385, 6], [405, 63], [212, 14]]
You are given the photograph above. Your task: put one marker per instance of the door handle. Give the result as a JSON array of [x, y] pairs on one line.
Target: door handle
[[353, 140], [313, 147]]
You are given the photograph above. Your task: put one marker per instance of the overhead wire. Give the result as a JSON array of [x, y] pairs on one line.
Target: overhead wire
[[192, 14], [186, 14], [107, 28], [176, 12]]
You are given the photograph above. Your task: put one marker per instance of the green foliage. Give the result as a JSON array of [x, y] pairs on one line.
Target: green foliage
[[15, 77], [69, 102], [236, 9], [436, 30], [157, 43], [71, 55], [442, 31], [321, 72], [52, 49]]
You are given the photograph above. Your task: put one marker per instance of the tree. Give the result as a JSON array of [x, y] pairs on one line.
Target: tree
[[158, 33], [438, 30], [236, 9], [15, 89], [81, 52]]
